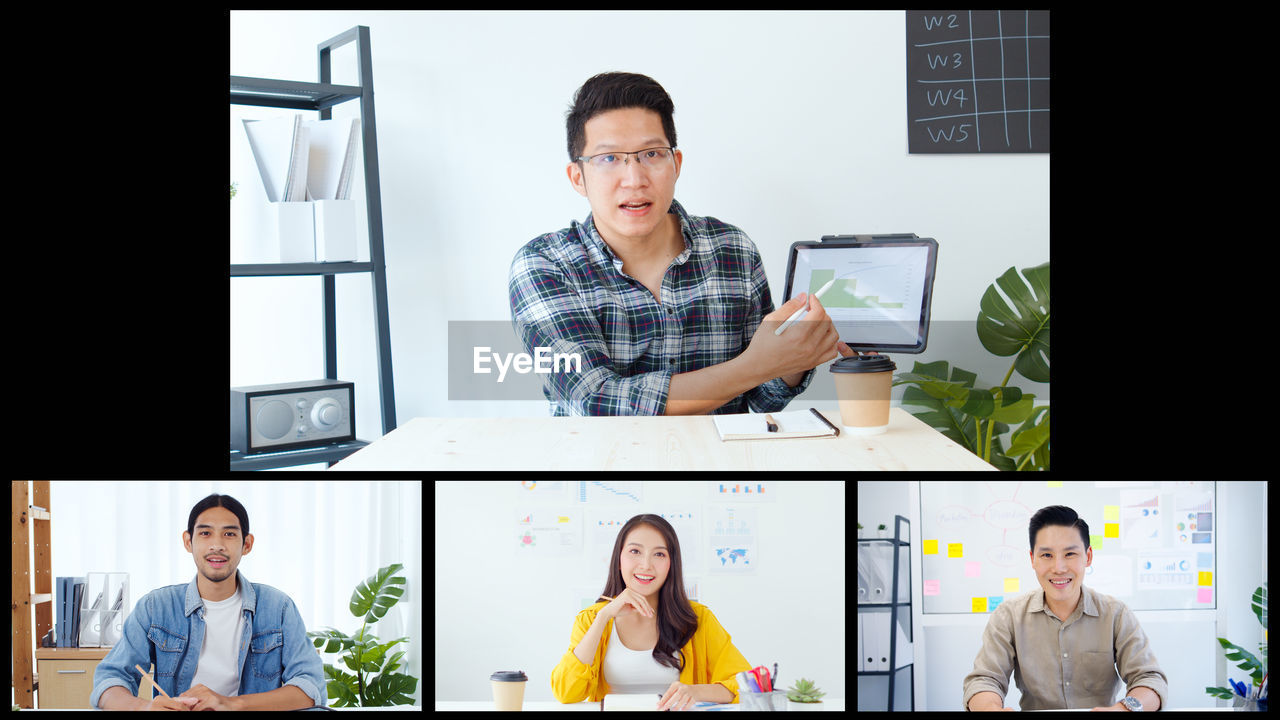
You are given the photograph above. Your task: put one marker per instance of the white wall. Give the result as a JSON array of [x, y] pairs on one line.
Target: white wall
[[793, 125], [496, 610], [1183, 640]]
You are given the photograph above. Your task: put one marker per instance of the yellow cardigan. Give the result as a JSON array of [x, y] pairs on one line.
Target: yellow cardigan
[[709, 657]]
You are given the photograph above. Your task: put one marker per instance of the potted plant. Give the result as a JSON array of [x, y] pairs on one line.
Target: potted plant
[[859, 531], [882, 530], [803, 695], [976, 418], [1249, 663], [372, 681], [233, 190]]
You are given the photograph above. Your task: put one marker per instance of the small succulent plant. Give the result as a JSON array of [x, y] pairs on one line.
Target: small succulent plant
[[804, 691]]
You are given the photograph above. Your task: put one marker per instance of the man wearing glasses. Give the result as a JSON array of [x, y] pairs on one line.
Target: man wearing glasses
[[669, 312]]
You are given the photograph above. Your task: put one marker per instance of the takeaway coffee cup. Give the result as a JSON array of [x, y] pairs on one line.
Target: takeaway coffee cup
[[508, 689], [862, 387]]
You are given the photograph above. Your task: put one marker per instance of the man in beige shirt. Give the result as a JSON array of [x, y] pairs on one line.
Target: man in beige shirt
[[1064, 642]]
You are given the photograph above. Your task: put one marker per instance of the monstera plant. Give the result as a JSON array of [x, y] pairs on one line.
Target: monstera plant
[[977, 418], [372, 680]]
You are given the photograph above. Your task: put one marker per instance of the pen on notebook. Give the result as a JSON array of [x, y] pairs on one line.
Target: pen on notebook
[[771, 423], [825, 421], [796, 315]]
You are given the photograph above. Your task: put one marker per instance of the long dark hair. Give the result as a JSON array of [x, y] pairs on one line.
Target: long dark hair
[[676, 619]]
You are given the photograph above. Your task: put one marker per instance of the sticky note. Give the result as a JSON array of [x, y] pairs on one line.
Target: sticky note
[[1204, 595], [994, 602], [1095, 541], [1113, 529], [1110, 513], [955, 549], [979, 604], [1206, 577], [1053, 483], [974, 569], [930, 547], [1012, 585], [931, 587]]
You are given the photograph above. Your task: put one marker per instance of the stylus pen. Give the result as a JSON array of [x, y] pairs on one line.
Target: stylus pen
[[796, 315]]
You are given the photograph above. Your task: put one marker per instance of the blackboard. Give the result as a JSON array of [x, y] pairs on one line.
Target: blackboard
[[978, 81]]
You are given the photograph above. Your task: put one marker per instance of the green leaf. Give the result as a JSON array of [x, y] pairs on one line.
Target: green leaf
[[1019, 325], [375, 596], [391, 689], [330, 640], [1032, 437], [1250, 663], [1221, 692], [1260, 603]]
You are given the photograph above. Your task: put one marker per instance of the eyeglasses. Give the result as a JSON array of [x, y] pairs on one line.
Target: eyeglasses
[[655, 158]]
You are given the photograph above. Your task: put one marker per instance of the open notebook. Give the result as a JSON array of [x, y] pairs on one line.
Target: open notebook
[[793, 424]]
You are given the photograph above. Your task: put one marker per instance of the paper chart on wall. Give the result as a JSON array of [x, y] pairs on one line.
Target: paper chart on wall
[[555, 532], [604, 524], [731, 535]]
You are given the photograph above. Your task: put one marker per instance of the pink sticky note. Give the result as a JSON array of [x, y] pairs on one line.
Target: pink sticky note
[[973, 569], [1205, 595], [931, 587]]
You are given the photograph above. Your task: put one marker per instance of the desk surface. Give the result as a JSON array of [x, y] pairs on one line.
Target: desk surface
[[828, 704], [649, 443]]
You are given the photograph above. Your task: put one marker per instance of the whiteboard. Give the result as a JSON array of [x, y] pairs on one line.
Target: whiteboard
[[1153, 542]]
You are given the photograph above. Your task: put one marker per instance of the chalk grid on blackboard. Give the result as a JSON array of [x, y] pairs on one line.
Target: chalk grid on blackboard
[[978, 81]]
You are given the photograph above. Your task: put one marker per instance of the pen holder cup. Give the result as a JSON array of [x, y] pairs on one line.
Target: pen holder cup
[[761, 701]]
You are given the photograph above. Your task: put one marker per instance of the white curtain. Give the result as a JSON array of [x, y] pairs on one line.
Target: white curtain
[[315, 541]]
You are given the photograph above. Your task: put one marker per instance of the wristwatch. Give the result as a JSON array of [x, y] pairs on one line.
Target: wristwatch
[[1131, 703]]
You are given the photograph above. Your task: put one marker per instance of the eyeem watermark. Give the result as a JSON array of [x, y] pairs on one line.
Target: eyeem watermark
[[525, 363]]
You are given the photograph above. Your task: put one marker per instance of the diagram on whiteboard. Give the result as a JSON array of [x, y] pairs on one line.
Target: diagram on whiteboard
[[1152, 542]]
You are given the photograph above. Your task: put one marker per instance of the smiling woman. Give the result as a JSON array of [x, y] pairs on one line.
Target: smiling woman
[[648, 636]]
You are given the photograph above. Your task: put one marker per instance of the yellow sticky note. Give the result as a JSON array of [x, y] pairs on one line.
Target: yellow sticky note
[[1110, 512], [1053, 483], [1206, 577], [979, 604], [930, 547], [955, 549], [1113, 529], [1012, 585]]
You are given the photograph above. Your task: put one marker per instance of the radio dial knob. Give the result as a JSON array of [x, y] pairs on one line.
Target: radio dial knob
[[326, 414]]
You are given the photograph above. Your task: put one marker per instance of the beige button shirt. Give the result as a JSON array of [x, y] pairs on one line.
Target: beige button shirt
[[1065, 664]]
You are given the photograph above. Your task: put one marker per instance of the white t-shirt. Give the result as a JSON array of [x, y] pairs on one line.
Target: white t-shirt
[[219, 665], [634, 671]]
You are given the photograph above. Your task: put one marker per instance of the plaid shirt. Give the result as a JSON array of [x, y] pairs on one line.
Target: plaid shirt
[[569, 294]]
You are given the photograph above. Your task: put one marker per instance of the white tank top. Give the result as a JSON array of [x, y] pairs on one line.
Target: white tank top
[[635, 671]]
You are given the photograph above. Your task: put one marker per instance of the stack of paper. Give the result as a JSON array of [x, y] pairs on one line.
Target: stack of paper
[[304, 160]]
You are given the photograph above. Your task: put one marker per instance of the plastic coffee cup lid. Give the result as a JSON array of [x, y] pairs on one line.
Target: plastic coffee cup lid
[[509, 676], [863, 364]]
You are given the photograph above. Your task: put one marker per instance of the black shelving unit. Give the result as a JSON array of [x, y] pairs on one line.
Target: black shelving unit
[[900, 548], [322, 96]]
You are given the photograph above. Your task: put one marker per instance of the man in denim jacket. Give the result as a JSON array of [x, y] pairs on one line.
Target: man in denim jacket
[[219, 642]]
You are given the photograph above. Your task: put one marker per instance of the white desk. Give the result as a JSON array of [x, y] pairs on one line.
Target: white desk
[[828, 704], [649, 443]]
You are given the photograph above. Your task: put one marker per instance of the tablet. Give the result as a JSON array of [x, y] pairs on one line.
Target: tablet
[[883, 285]]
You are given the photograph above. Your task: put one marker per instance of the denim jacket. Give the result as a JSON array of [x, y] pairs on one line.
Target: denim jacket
[[167, 626]]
